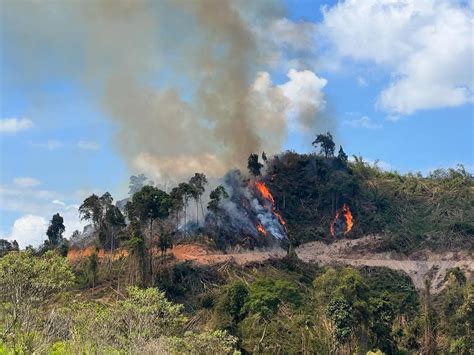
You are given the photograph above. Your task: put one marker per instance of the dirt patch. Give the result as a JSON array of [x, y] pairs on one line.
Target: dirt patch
[[202, 255], [358, 253], [354, 252]]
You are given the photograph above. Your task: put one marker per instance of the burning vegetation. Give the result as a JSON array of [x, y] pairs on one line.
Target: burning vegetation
[[343, 222]]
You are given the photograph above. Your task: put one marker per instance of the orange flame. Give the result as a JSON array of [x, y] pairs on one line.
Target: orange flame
[[261, 229], [268, 196], [348, 219], [280, 218], [264, 191]]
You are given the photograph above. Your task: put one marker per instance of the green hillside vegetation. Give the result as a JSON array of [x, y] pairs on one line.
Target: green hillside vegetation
[[282, 306], [145, 301], [412, 212]]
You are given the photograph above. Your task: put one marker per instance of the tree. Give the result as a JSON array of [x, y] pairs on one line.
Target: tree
[[177, 204], [230, 305], [136, 245], [92, 269], [342, 156], [6, 246], [55, 231], [151, 203], [216, 196], [91, 209], [186, 192], [114, 222], [327, 144], [197, 182], [264, 157], [136, 183], [28, 282], [254, 165]]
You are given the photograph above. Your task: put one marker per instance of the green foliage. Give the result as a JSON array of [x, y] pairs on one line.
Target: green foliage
[[55, 230], [342, 156], [6, 246], [230, 305], [341, 312], [151, 203], [254, 165], [327, 144], [92, 269], [213, 343], [457, 313], [216, 196], [267, 294], [410, 211], [27, 283]]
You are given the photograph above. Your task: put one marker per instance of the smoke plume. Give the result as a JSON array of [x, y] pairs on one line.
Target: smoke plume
[[186, 82]]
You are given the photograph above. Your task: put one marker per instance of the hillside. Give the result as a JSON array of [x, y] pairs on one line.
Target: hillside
[[410, 212], [308, 254]]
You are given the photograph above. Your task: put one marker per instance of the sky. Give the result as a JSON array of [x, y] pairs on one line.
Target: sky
[[393, 80]]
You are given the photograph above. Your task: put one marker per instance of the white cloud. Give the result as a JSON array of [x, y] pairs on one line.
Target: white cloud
[[29, 229], [51, 144], [86, 145], [26, 181], [39, 203], [304, 90], [363, 122], [58, 202], [427, 46], [13, 125]]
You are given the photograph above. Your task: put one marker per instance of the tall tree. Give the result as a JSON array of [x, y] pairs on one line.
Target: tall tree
[[197, 182], [114, 222], [186, 192], [91, 210], [254, 165], [216, 196], [55, 231], [151, 203], [342, 156], [136, 245], [177, 204], [327, 144]]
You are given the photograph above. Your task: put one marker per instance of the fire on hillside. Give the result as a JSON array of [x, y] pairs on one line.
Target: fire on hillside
[[343, 222]]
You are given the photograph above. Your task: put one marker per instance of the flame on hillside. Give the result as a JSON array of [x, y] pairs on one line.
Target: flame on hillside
[[261, 229], [343, 222], [264, 191], [266, 194]]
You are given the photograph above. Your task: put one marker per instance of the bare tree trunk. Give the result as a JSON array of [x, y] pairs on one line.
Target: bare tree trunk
[[151, 249]]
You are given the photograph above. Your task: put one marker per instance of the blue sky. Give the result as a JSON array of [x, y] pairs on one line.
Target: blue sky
[[397, 98]]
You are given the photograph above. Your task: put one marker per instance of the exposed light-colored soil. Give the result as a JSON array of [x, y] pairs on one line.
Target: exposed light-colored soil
[[354, 252], [357, 253], [203, 256]]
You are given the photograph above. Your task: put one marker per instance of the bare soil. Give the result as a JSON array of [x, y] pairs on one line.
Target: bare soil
[[354, 252]]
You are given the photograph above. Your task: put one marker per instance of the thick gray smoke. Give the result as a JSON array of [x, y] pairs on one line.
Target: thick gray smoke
[[186, 81]]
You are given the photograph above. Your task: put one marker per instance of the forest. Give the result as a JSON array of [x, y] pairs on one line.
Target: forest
[[129, 294]]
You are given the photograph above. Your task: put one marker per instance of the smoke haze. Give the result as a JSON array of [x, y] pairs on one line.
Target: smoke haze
[[187, 82]]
